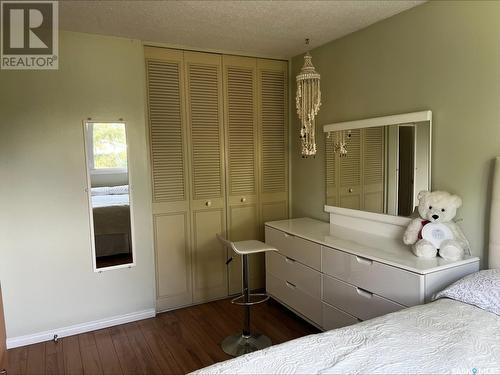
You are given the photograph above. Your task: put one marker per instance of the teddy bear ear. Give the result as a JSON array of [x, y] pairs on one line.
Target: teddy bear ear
[[422, 194], [457, 201]]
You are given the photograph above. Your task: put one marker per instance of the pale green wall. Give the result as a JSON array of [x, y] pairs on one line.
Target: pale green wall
[[442, 56], [45, 255]]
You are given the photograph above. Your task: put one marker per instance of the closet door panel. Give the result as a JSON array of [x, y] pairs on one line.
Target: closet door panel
[[173, 275], [166, 126], [168, 154], [331, 170], [373, 169], [272, 88], [273, 132], [275, 209], [240, 90], [205, 123], [350, 188], [209, 257], [204, 113], [241, 125]]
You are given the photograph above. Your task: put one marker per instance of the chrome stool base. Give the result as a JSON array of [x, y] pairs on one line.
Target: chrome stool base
[[246, 342], [236, 345]]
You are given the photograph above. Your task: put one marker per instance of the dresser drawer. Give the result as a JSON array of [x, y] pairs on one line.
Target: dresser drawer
[[390, 282], [303, 277], [306, 252], [335, 318], [303, 303], [358, 302]]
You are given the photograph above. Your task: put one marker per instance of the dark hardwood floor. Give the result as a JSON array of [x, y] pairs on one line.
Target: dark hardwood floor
[[174, 342]]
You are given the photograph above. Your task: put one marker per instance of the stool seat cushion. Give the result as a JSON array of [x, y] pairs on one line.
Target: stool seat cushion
[[251, 247]]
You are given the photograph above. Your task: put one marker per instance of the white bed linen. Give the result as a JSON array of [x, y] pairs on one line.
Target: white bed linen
[[110, 200], [109, 190], [445, 336]]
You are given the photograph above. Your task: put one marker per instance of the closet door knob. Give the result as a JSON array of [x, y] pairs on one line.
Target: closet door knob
[[243, 199], [208, 203], [350, 190]]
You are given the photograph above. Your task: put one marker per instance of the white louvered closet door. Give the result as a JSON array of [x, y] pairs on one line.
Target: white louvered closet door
[[205, 122], [350, 187], [164, 70], [240, 107], [331, 170], [373, 169], [272, 87]]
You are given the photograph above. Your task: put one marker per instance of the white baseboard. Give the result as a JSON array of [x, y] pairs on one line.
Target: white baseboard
[[15, 342]]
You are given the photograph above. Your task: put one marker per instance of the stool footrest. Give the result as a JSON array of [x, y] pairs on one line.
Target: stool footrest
[[253, 299]]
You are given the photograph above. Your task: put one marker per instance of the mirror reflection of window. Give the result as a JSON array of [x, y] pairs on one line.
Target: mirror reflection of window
[[107, 163], [109, 147]]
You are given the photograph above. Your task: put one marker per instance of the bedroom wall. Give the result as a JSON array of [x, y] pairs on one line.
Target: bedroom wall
[[45, 254], [442, 56]]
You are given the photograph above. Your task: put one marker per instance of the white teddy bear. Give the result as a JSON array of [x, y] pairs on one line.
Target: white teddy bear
[[435, 230]]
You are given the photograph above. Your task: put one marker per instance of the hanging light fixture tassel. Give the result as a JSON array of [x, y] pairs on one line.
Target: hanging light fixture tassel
[[308, 102]]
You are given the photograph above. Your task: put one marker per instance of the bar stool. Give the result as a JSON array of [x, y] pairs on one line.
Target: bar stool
[[246, 342]]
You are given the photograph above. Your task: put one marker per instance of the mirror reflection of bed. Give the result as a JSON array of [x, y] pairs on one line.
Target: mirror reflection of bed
[[111, 214], [106, 148]]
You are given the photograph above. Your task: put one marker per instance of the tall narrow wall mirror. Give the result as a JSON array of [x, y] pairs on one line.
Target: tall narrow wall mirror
[[380, 164], [109, 195]]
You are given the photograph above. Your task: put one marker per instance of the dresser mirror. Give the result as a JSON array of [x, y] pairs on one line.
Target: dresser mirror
[[380, 164], [109, 195]]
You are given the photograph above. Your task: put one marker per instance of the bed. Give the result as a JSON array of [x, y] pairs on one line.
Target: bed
[[458, 333], [111, 213]]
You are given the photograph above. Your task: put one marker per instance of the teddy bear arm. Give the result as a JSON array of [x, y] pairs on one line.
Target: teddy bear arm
[[411, 233]]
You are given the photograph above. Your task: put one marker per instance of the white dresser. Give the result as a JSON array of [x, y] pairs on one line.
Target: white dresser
[[334, 276]]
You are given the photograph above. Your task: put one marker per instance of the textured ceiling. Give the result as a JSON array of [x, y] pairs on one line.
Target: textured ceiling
[[261, 28]]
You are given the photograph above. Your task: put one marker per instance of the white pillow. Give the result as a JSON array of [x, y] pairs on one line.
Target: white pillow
[[481, 289], [110, 190]]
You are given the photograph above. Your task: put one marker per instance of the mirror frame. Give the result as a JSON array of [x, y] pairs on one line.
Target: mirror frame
[[399, 119], [87, 190]]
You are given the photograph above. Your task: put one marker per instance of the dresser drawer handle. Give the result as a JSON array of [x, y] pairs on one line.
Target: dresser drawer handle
[[289, 260], [364, 293], [364, 260], [290, 285]]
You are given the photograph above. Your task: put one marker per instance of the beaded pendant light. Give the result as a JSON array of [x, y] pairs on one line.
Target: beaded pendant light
[[308, 101]]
